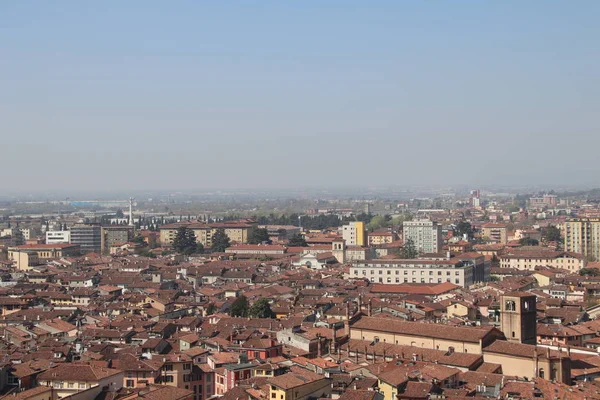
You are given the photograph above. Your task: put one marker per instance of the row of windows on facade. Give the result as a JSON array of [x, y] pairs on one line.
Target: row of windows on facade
[[414, 280], [405, 272]]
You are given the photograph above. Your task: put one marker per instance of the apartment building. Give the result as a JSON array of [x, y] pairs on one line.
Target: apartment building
[[495, 232], [113, 234], [582, 235], [237, 231], [354, 233], [426, 235], [415, 271]]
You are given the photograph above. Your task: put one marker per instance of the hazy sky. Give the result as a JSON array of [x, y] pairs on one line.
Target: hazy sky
[[204, 94]]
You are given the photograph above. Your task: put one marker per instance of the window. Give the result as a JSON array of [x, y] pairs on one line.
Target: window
[[129, 383], [510, 305], [541, 374], [82, 386], [71, 385], [187, 366]]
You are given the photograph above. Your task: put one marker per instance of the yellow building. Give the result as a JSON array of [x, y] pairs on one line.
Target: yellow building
[[582, 235], [381, 236], [299, 384], [45, 251], [354, 233], [24, 260], [236, 231], [495, 232]]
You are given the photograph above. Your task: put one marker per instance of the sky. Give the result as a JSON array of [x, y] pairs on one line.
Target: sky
[[118, 95]]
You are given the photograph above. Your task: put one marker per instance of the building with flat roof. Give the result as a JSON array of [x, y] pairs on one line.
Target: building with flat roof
[[88, 237], [354, 233], [426, 235], [582, 235], [415, 271]]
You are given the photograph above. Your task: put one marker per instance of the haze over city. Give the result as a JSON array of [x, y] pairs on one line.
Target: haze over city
[[196, 95]]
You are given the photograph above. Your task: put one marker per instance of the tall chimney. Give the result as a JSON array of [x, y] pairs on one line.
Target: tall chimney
[[333, 336], [370, 308], [318, 345]]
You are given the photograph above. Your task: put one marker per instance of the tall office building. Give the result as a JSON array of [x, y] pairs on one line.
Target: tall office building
[[425, 234], [88, 237], [354, 233], [582, 235], [114, 234]]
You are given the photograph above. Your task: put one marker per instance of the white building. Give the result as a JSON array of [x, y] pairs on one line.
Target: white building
[[55, 237], [414, 271], [425, 234]]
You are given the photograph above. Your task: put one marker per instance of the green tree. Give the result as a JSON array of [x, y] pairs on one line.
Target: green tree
[[261, 309], [464, 228], [589, 272], [298, 241], [528, 242], [378, 221], [551, 234], [220, 241], [185, 241], [258, 235], [211, 309], [139, 239], [119, 214], [239, 308], [409, 251]]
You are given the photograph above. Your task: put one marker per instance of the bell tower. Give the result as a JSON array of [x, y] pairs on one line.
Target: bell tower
[[518, 318], [338, 250]]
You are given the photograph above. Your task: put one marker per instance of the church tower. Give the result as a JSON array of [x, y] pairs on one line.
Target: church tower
[[518, 318], [338, 250]]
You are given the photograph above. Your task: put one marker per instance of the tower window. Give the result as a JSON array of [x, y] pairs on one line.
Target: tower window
[[510, 305]]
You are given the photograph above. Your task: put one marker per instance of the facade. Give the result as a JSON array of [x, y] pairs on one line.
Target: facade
[[88, 237], [529, 361], [68, 379], [582, 235], [529, 260], [425, 234], [497, 233], [236, 231], [381, 236], [299, 384], [518, 318], [424, 335], [45, 251], [114, 234], [55, 237], [354, 233], [548, 200], [415, 271]]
